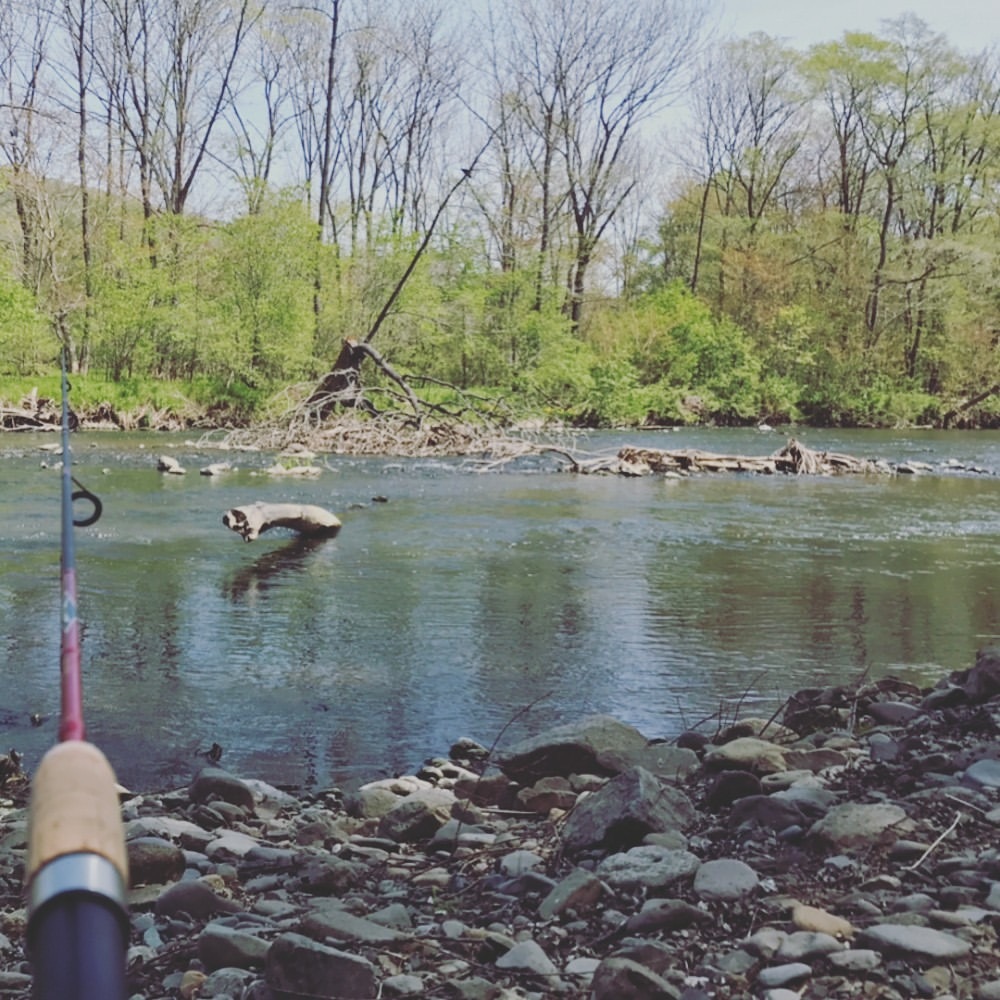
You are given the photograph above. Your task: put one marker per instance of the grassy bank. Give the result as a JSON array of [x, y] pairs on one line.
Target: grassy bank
[[143, 403]]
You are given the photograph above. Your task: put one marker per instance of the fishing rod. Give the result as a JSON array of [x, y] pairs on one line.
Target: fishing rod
[[77, 868]]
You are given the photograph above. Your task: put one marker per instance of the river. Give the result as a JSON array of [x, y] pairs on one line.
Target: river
[[464, 603]]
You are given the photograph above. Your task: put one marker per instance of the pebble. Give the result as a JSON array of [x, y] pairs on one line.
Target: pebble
[[816, 865], [914, 940], [724, 879]]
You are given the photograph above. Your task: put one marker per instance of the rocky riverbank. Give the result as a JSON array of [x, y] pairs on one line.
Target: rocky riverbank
[[847, 849]]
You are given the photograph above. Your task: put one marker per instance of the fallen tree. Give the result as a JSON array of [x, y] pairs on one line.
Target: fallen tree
[[794, 459], [253, 519]]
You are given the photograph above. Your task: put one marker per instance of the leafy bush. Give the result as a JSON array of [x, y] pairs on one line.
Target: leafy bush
[[26, 343]]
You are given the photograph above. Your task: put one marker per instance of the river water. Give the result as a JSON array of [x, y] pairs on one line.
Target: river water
[[483, 604]]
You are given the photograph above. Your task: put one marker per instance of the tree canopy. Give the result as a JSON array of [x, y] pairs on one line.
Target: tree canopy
[[606, 219]]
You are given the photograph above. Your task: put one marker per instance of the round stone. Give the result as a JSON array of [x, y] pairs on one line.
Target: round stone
[[725, 879]]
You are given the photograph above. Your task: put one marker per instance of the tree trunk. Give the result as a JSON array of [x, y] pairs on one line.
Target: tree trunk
[[341, 386]]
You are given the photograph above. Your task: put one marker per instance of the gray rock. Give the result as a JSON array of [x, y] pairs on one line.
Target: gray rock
[[625, 810], [154, 860], [333, 923], [735, 962], [992, 900], [519, 862], [855, 960], [329, 875], [668, 763], [546, 794], [570, 749], [473, 988], [394, 915], [914, 941], [224, 947], [303, 969], [853, 825], [418, 817], [454, 833], [814, 760], [656, 955], [231, 844], [216, 783], [666, 915], [747, 753], [803, 946], [194, 898], [914, 902], [372, 801], [893, 713], [982, 682], [983, 774], [620, 978], [766, 810], [765, 942], [580, 890], [227, 983], [403, 986], [725, 879], [728, 786], [783, 975], [648, 865], [529, 956], [813, 800]]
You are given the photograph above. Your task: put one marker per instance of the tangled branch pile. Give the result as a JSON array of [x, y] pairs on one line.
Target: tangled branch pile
[[794, 459], [386, 433]]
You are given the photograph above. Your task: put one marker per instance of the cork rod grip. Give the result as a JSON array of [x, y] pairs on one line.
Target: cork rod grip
[[74, 808]]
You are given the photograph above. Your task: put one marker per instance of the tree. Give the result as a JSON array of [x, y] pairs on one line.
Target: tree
[[257, 111], [585, 81], [25, 35], [168, 66], [751, 127]]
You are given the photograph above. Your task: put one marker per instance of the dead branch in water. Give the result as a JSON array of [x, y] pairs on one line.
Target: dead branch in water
[[793, 459], [250, 520], [494, 445]]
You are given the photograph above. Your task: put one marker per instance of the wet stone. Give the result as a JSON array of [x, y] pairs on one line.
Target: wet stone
[[299, 898]]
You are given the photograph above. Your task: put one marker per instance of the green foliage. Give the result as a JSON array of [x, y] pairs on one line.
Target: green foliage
[[27, 344], [263, 306], [672, 350], [561, 381]]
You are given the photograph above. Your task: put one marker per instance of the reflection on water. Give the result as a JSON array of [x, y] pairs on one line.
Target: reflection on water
[[469, 602], [247, 582]]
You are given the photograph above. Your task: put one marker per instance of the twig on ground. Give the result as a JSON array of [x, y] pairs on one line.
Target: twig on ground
[[923, 857]]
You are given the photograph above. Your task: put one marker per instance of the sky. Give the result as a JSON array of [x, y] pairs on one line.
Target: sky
[[970, 25]]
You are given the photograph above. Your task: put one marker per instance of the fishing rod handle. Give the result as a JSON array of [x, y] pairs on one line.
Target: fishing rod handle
[[75, 811]]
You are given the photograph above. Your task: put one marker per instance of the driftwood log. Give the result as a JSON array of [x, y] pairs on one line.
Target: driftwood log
[[253, 519], [794, 459], [34, 413]]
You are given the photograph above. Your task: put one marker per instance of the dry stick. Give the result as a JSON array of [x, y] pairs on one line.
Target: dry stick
[[923, 857], [962, 802], [492, 749], [394, 294]]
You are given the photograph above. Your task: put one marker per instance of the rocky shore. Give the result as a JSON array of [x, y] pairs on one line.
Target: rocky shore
[[846, 848]]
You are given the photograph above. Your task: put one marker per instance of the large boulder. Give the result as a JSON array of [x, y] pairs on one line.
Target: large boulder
[[625, 810], [575, 748], [982, 682]]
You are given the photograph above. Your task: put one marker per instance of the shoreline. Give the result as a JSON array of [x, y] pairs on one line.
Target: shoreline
[[845, 849]]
